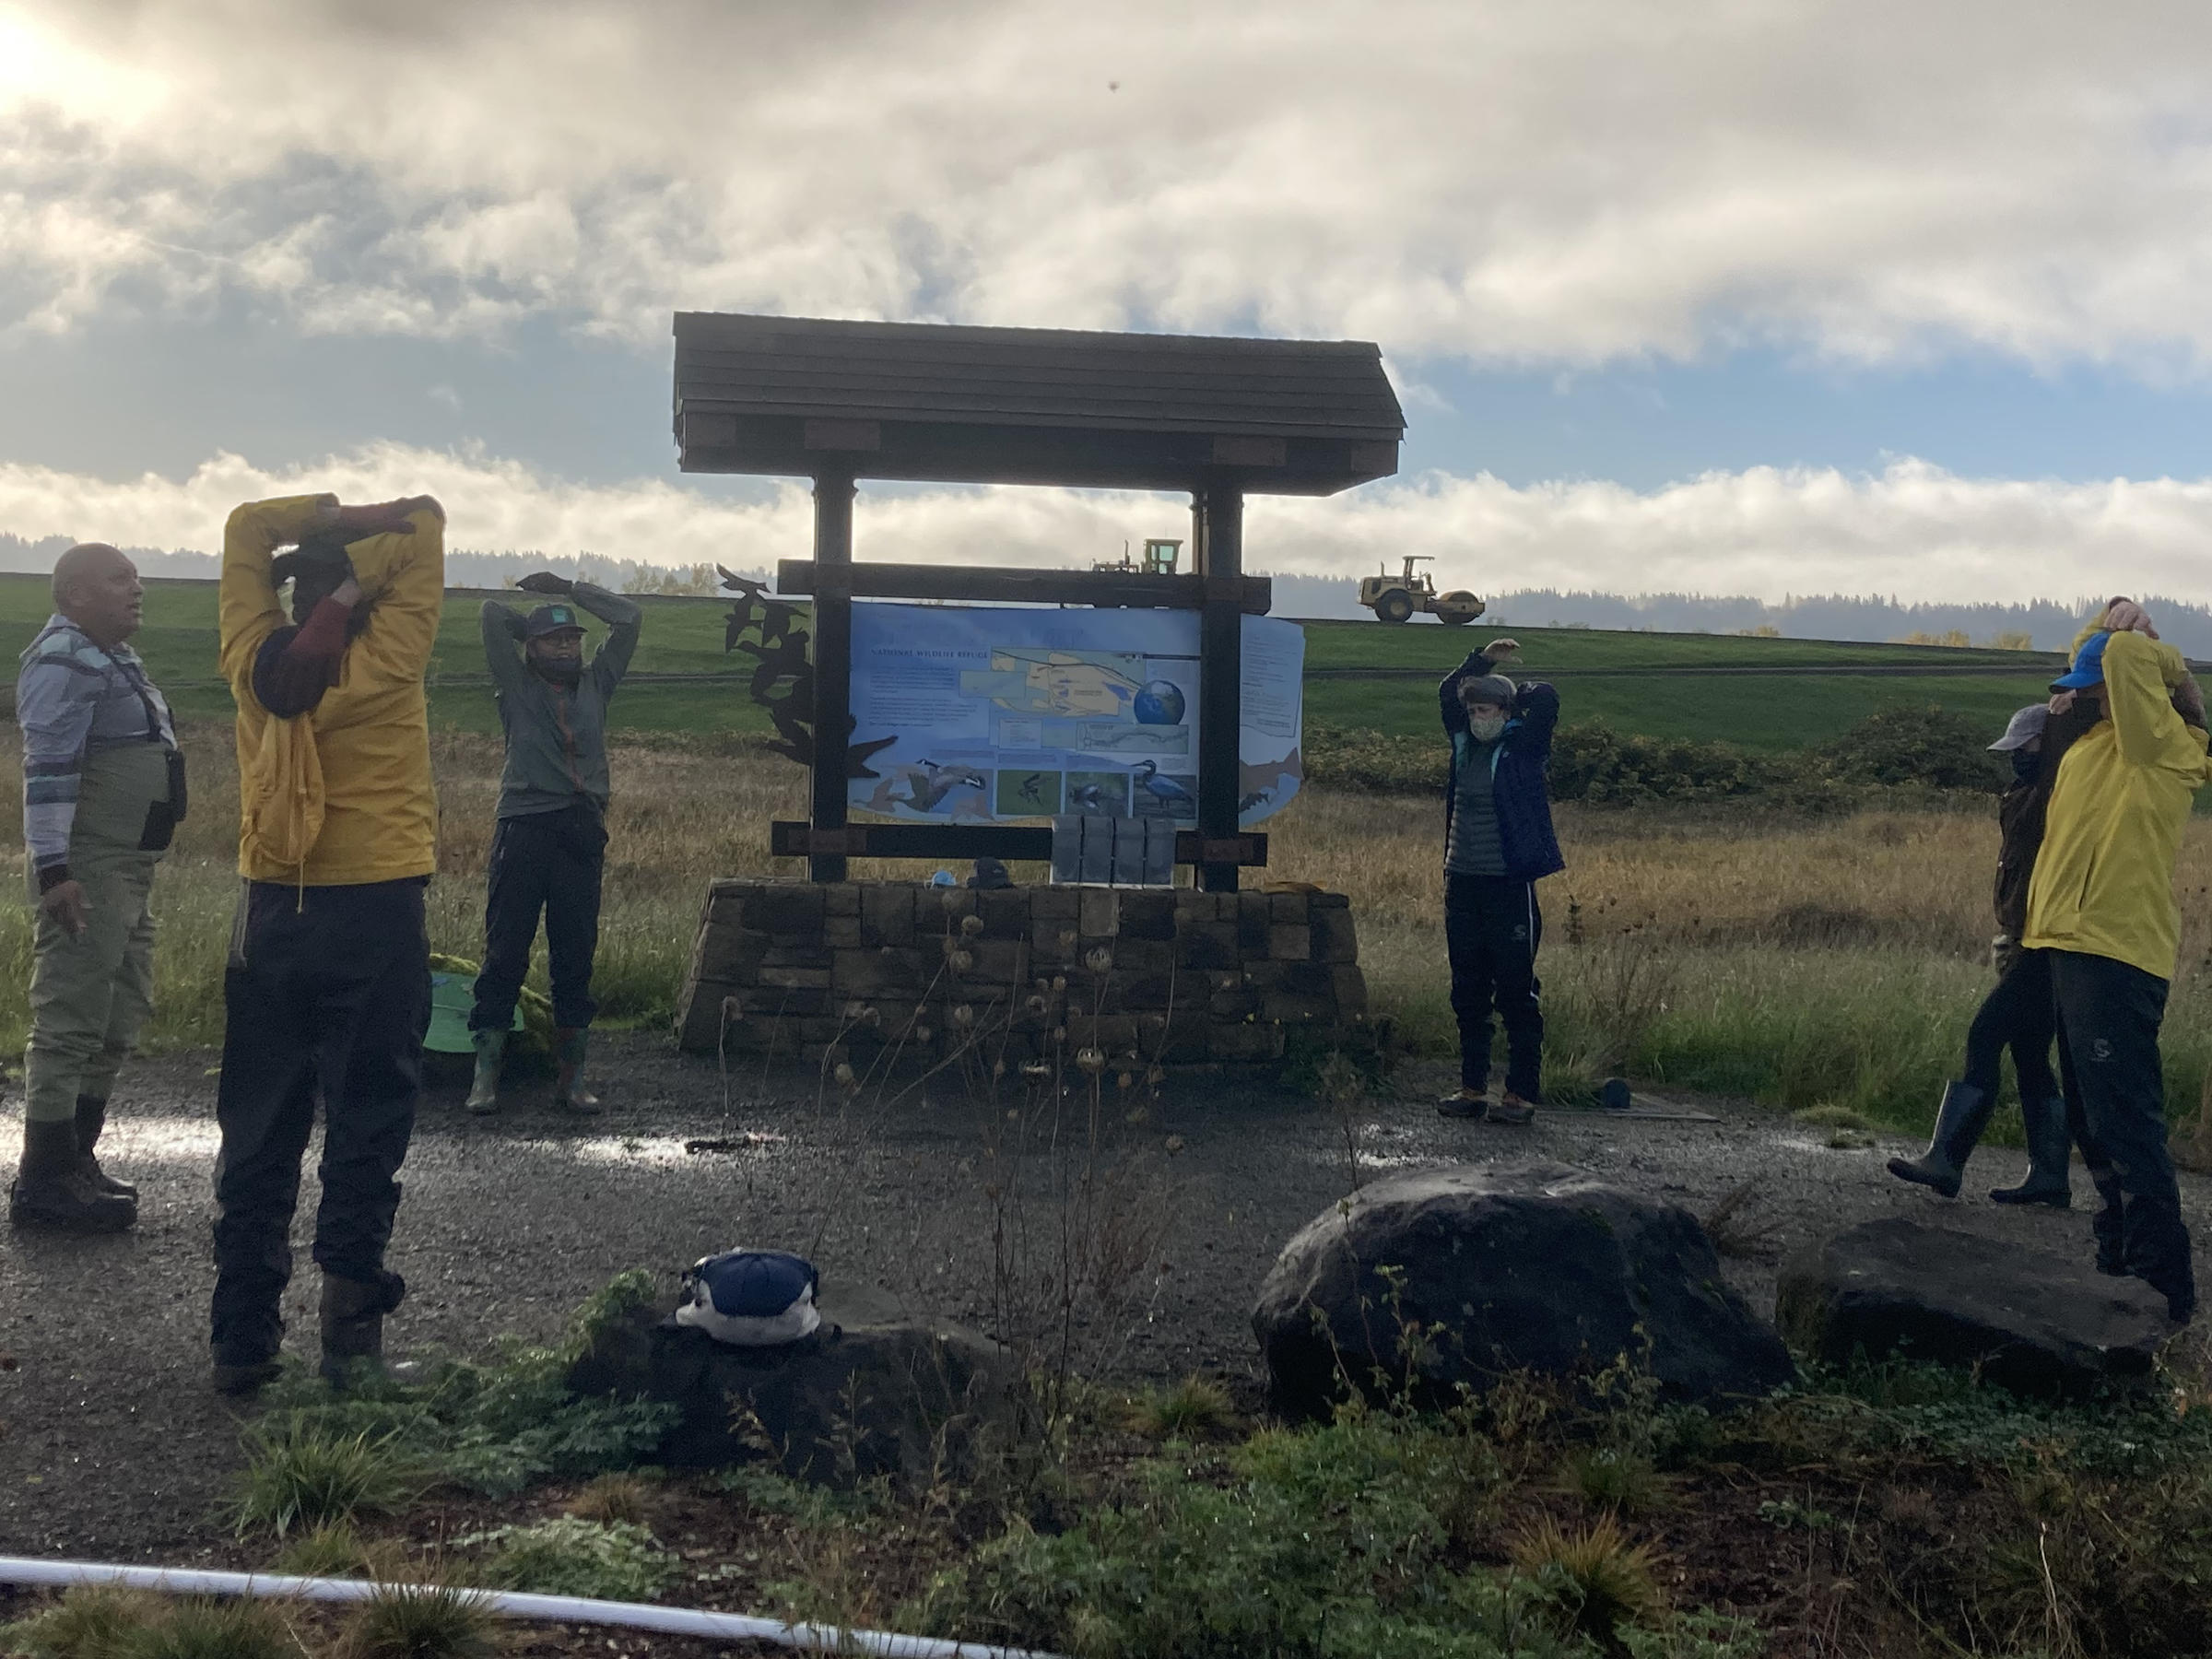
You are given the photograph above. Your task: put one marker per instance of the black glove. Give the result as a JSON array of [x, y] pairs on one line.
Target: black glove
[[544, 581], [517, 629]]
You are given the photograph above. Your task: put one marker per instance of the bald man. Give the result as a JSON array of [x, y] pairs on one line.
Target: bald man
[[103, 790]]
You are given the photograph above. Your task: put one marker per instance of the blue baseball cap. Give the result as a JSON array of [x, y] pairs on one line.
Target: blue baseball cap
[[2088, 665]]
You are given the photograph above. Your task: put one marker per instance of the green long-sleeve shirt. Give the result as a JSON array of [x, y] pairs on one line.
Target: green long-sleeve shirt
[[557, 734]]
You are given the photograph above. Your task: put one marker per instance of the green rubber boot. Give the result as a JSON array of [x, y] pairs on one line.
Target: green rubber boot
[[569, 1094], [484, 1089]]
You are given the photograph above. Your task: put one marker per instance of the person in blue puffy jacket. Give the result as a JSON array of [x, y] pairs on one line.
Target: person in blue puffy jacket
[[1498, 843]]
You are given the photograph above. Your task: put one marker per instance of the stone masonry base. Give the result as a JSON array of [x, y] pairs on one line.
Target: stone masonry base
[[1172, 977]]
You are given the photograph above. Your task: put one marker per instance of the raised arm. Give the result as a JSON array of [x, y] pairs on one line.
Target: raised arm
[[1535, 717], [403, 578], [622, 617], [245, 597], [503, 645], [2138, 674], [1479, 662]]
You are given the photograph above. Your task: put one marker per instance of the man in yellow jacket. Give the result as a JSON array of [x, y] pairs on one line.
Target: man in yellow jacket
[[326, 993], [2101, 901]]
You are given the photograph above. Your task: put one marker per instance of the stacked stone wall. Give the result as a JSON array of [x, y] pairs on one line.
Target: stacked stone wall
[[1173, 976]]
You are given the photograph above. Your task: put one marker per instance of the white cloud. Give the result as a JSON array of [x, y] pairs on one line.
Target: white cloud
[[1915, 529], [1548, 181]]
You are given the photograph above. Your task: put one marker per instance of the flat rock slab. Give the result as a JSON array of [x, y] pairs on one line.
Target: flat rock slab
[[2034, 1322], [1538, 1266], [870, 1394]]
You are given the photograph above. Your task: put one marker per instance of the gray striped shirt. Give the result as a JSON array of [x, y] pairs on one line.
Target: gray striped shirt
[[74, 698]]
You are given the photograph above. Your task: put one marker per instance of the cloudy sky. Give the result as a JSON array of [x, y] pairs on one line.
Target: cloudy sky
[[1724, 295]]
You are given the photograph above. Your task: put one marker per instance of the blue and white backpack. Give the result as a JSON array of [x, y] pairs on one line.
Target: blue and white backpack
[[751, 1297]]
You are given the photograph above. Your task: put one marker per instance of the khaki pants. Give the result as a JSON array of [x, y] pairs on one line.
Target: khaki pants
[[90, 995]]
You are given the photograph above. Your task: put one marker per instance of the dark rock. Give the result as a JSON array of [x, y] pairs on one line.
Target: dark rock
[[870, 1394], [2034, 1322], [1535, 1267]]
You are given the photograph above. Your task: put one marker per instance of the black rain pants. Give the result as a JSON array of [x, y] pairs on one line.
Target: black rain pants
[[549, 862], [1492, 930], [326, 997], [2110, 1013]]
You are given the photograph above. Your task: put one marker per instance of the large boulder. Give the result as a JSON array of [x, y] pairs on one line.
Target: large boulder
[[2032, 1321], [1538, 1267], [872, 1393]]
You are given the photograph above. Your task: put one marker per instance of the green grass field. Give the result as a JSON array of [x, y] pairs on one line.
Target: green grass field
[[1645, 682]]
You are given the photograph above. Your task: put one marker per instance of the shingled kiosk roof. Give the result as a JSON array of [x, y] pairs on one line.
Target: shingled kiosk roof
[[1030, 405]]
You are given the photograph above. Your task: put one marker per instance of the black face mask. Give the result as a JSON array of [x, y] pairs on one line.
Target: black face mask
[[565, 672], [2025, 766]]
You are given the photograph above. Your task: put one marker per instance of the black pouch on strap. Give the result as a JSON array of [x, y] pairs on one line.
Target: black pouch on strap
[[163, 816]]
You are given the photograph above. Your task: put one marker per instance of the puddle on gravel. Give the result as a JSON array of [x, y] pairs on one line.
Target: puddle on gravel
[[652, 1150]]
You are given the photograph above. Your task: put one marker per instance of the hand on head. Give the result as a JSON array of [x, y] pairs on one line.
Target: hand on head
[[2122, 614], [384, 518]]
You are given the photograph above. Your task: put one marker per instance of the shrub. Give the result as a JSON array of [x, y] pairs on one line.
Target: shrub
[[612, 1498], [1593, 763], [498, 1428], [609, 1560], [1598, 1580], [90, 1621], [1190, 1409], [1930, 747], [304, 1475], [420, 1621], [211, 1629]]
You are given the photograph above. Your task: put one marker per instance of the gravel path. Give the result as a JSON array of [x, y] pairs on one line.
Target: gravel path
[[112, 1444]]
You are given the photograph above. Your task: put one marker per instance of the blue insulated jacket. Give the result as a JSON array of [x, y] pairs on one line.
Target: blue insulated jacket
[[1518, 768]]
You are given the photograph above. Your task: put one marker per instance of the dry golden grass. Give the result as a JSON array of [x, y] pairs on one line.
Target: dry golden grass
[[1805, 962]]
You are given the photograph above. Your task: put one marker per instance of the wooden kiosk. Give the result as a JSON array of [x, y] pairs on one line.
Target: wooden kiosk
[[1217, 418]]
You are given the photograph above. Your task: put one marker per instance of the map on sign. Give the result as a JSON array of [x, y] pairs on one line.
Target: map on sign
[[1000, 714]]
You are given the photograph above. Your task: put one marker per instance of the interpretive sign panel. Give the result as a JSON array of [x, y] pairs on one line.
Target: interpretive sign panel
[[1003, 713]]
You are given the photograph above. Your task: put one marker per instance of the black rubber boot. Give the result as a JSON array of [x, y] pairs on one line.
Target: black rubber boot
[[91, 1118], [244, 1376], [1959, 1121], [2049, 1148], [50, 1190], [353, 1324]]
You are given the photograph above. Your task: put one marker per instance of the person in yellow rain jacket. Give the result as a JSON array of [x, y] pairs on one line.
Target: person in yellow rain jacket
[[326, 993], [2101, 901]]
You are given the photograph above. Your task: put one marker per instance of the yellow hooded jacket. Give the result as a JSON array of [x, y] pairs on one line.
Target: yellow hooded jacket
[[340, 796], [2103, 881]]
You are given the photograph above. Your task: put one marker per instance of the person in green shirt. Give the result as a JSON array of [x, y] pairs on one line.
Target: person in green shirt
[[550, 850]]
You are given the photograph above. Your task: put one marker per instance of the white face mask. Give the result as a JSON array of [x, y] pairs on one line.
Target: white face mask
[[1486, 728]]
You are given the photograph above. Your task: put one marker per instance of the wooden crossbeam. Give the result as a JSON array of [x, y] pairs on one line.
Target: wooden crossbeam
[[1017, 585]]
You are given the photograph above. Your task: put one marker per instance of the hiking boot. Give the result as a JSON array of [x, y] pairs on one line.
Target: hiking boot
[[91, 1118], [1513, 1110], [1959, 1121], [2048, 1151], [484, 1088], [353, 1324], [51, 1189], [569, 1093], [1463, 1103], [244, 1377]]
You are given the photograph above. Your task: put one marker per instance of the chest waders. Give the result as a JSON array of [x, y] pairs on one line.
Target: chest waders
[[90, 994]]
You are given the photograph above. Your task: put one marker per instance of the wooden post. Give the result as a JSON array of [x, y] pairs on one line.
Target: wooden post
[[832, 657], [1221, 671]]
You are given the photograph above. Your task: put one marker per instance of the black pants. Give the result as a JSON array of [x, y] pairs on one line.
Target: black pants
[[1492, 929], [2018, 1013], [327, 995], [550, 862], [2111, 1015]]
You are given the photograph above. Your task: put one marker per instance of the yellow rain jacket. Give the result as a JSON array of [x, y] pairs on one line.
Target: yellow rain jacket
[[340, 796], [2103, 881]]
